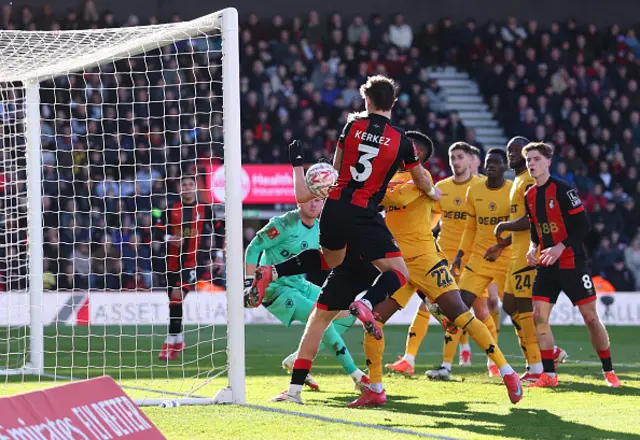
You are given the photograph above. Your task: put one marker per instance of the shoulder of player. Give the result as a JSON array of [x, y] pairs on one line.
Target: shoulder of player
[[566, 192], [288, 219], [561, 185]]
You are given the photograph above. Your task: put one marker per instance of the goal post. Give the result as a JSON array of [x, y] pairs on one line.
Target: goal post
[[90, 112]]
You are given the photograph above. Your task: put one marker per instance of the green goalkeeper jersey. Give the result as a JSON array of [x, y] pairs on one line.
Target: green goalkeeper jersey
[[282, 238]]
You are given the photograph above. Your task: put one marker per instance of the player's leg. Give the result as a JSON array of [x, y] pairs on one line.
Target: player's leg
[[378, 246], [520, 283], [546, 289], [465, 350], [374, 351], [451, 303], [417, 333], [332, 339], [510, 307], [493, 304], [405, 365], [180, 284], [287, 304], [495, 291], [600, 341], [450, 344], [582, 294]]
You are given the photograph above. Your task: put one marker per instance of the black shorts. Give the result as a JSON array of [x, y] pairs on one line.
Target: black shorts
[[184, 279], [344, 283], [343, 224], [575, 283]]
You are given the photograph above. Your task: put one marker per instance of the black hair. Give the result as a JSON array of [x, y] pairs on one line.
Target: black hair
[[519, 140], [500, 152], [422, 141]]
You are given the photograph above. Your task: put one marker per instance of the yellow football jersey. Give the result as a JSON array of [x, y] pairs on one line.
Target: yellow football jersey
[[408, 216], [520, 239], [453, 211], [486, 207]]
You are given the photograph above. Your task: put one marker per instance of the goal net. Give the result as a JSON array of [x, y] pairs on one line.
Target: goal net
[[110, 139]]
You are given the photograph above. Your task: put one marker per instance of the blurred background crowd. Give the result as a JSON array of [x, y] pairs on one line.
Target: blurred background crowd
[[573, 85]]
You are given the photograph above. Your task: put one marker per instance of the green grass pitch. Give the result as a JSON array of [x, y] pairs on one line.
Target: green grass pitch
[[471, 406]]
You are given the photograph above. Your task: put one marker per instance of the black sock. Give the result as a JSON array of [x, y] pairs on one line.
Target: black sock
[[175, 319], [605, 358], [548, 361], [301, 368], [304, 262], [384, 286]]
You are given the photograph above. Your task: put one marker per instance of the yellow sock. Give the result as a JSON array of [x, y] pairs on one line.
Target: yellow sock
[[464, 338], [515, 319], [495, 315], [481, 336], [373, 351], [450, 346], [417, 332], [530, 339], [491, 326]]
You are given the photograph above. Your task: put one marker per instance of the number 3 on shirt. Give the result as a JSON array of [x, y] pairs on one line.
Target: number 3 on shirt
[[368, 154]]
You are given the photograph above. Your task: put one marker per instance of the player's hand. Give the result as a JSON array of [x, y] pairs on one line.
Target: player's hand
[[436, 194], [532, 257], [455, 266], [494, 252], [296, 155], [251, 301], [550, 255], [500, 228]]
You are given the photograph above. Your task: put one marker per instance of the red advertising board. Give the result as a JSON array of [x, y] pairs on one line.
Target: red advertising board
[[261, 184], [86, 410]]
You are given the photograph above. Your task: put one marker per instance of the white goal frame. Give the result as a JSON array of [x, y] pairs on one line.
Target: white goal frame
[[226, 21]]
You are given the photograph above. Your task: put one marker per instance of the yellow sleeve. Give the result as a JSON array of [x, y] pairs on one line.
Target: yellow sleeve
[[470, 227], [401, 195]]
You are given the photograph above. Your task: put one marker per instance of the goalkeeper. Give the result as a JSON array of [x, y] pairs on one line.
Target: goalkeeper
[[292, 298]]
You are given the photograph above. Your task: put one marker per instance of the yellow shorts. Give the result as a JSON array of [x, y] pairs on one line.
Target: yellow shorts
[[477, 283], [519, 283], [428, 273]]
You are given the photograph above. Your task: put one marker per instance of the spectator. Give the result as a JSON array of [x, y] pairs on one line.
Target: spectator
[[632, 261], [620, 277], [400, 33], [357, 29], [437, 97], [512, 31]]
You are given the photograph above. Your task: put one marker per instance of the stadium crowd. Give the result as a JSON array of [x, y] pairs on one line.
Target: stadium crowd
[[570, 84]]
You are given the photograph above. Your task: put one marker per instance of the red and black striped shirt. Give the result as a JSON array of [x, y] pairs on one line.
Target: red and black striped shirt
[[373, 149], [557, 215], [191, 222]]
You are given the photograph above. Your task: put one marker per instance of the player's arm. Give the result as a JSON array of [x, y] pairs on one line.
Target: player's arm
[[577, 225], [161, 230], [401, 195], [409, 156], [436, 212], [272, 235], [296, 157], [534, 241], [469, 234], [521, 224]]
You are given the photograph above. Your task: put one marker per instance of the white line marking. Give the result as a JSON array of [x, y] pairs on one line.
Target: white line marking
[[348, 422]]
